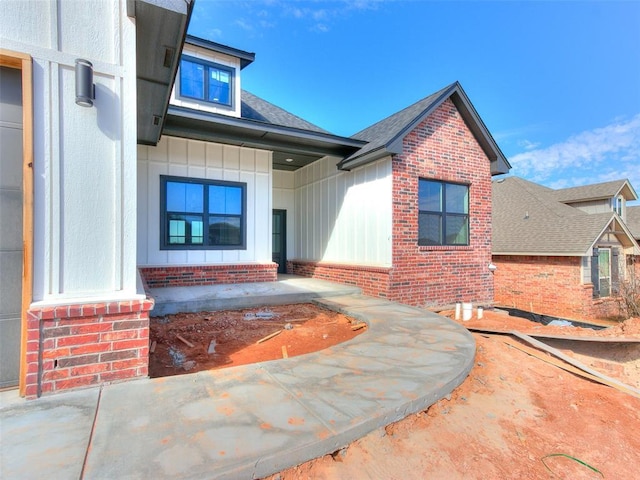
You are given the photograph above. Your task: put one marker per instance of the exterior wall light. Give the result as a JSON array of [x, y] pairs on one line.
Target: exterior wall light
[[85, 89], [492, 267]]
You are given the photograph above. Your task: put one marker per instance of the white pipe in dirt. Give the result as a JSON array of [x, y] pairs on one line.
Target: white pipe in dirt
[[467, 311], [457, 317]]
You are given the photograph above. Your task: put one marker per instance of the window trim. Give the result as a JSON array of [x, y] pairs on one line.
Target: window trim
[[443, 214], [164, 240], [207, 63]]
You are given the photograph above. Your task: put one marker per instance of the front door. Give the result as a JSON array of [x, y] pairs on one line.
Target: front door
[[279, 240], [604, 271], [11, 196]]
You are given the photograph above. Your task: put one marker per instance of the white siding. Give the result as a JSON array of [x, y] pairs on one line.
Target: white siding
[[344, 217], [594, 206], [284, 198], [221, 59], [193, 158], [84, 158]]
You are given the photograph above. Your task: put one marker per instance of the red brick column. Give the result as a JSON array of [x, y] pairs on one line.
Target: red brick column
[[70, 346]]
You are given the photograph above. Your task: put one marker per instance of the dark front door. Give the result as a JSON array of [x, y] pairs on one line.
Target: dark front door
[[10, 224], [279, 240]]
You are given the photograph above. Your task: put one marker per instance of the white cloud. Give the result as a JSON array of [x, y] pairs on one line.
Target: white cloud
[[527, 145], [608, 153]]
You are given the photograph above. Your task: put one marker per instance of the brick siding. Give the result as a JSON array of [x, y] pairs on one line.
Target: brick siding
[[549, 285], [373, 281], [79, 345], [441, 148], [190, 275]]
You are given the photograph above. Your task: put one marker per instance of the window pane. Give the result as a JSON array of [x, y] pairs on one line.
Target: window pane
[[186, 229], [219, 86], [191, 79], [429, 229], [184, 197], [225, 200], [224, 230], [457, 198], [430, 196], [457, 230]]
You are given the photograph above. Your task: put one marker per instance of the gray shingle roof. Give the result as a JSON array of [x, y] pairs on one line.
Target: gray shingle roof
[[527, 219], [633, 220], [595, 191], [385, 137], [255, 108], [385, 131]]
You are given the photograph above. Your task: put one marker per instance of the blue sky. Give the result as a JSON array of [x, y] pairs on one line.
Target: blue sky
[[556, 83]]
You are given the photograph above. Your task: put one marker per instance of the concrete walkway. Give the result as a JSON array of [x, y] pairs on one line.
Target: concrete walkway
[[248, 421]]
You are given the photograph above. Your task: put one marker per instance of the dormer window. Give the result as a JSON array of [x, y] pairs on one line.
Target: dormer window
[[618, 205], [206, 81]]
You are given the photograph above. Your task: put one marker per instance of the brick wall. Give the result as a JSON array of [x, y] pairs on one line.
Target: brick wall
[[71, 346], [442, 148], [373, 281], [190, 275], [548, 285]]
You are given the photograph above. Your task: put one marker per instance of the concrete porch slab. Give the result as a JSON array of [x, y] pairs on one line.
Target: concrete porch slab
[[288, 289]]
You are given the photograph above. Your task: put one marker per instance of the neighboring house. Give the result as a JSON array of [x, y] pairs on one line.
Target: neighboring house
[[633, 221], [223, 187], [561, 252]]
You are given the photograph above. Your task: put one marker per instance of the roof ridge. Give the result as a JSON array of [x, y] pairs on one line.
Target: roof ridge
[[401, 112]]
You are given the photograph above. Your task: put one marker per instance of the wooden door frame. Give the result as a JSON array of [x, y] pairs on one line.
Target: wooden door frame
[[23, 62]]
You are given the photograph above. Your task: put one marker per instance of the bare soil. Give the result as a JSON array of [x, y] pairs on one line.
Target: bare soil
[[229, 338], [512, 415]]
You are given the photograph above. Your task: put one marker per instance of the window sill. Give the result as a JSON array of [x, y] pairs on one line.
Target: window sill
[[428, 248]]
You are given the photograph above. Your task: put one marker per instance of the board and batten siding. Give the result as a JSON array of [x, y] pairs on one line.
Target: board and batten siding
[[84, 158], [344, 217], [284, 198], [197, 159]]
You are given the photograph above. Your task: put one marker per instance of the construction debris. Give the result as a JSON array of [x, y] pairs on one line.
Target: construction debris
[[212, 347], [358, 326], [264, 339], [185, 341]]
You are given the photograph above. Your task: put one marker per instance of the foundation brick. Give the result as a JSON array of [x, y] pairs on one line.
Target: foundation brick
[[85, 344]]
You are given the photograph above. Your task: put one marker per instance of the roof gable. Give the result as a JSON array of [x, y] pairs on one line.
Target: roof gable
[[596, 191], [385, 137]]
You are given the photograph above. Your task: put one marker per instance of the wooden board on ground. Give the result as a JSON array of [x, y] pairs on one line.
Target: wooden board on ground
[[559, 337]]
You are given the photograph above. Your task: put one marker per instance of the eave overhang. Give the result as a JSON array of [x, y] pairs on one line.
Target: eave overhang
[[303, 146], [161, 27], [246, 58], [499, 163]]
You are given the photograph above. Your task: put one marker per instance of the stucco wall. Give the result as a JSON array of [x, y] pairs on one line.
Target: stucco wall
[[84, 158], [344, 217], [193, 158]]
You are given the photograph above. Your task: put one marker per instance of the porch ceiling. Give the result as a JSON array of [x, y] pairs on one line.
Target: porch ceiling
[[301, 146]]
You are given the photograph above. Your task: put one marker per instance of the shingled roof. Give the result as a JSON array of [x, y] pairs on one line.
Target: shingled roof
[[256, 108], [633, 220], [385, 137], [596, 191], [529, 220]]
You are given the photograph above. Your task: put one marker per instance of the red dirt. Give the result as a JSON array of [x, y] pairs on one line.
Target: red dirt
[[235, 334], [510, 412]]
